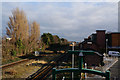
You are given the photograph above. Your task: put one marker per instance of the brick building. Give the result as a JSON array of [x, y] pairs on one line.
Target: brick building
[[97, 41], [93, 59], [113, 42]]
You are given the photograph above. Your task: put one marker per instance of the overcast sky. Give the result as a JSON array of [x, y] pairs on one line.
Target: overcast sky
[[71, 20]]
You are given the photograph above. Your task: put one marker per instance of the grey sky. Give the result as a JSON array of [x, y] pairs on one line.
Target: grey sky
[[73, 21]]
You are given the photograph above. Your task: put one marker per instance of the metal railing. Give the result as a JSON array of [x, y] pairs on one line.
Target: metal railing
[[80, 69]]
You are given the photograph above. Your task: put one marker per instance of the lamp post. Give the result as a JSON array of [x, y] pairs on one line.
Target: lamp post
[[72, 60], [106, 45]]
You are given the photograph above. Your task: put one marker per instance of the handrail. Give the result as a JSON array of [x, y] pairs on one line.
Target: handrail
[[80, 69]]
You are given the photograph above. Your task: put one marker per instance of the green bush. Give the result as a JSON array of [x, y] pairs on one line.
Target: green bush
[[19, 44], [13, 52]]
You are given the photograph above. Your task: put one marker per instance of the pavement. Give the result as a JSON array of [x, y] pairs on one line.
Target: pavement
[[115, 70], [109, 62]]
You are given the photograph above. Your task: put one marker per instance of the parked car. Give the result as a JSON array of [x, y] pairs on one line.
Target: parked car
[[113, 53]]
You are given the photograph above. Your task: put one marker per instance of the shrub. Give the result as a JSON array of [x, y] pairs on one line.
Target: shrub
[[13, 53]]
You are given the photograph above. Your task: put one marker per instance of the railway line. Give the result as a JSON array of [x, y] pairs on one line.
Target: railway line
[[43, 74], [17, 62], [14, 63]]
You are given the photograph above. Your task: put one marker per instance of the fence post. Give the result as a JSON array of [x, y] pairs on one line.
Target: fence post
[[107, 75], [54, 74]]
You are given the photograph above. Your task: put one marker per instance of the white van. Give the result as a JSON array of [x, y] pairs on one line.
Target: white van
[[113, 53]]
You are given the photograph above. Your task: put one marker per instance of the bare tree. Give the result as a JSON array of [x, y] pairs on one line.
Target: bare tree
[[24, 36], [35, 34], [18, 25], [18, 28]]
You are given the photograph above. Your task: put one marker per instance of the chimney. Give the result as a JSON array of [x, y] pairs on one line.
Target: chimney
[[100, 38]]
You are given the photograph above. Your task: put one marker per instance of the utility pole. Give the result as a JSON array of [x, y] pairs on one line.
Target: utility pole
[[72, 60]]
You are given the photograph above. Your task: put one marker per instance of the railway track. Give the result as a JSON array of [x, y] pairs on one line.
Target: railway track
[[42, 74], [46, 71], [17, 62], [14, 63]]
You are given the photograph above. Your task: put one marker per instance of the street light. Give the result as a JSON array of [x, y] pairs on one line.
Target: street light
[[106, 45], [72, 60]]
